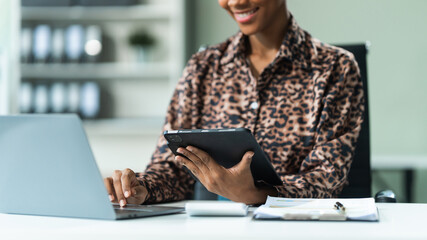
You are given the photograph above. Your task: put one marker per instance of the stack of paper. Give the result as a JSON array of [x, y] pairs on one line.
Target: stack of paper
[[356, 209]]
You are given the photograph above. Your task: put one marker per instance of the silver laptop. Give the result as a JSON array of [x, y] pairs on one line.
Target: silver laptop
[[47, 168]]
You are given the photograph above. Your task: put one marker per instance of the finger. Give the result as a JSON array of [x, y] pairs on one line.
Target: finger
[[195, 160], [127, 178], [178, 163], [190, 166], [204, 156], [117, 182], [246, 161], [140, 193], [139, 196], [108, 182]]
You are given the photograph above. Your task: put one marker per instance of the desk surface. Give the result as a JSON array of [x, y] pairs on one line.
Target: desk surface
[[397, 221]]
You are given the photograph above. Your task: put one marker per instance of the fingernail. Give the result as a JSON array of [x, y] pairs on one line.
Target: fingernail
[[252, 155], [122, 203], [111, 197], [127, 194]]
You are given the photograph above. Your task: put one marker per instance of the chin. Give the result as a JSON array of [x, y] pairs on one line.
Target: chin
[[249, 30]]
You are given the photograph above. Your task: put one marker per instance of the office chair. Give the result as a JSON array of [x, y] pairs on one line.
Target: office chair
[[359, 177], [360, 172]]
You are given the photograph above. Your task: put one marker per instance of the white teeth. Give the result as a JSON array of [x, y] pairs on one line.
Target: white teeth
[[242, 15]]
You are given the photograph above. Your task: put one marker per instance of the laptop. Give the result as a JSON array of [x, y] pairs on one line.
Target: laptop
[[47, 168]]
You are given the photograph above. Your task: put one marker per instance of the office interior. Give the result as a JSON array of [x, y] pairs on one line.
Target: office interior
[[129, 58]]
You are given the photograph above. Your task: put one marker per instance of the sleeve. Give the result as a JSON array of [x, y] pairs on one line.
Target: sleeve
[[164, 180], [323, 173]]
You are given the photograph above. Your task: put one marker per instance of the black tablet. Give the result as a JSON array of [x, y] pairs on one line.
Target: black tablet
[[227, 147]]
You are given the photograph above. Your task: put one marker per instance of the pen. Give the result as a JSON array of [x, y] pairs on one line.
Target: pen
[[340, 207]]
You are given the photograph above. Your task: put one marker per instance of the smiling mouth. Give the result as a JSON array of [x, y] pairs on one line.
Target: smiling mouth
[[245, 16]]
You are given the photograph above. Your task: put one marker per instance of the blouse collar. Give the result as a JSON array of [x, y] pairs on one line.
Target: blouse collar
[[294, 48]]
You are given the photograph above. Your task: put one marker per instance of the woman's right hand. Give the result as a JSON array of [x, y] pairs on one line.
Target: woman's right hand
[[124, 188]]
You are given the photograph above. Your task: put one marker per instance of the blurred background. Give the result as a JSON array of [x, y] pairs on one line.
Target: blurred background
[[116, 63]]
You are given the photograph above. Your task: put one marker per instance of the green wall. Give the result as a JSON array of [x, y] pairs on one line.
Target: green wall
[[397, 60], [397, 31], [213, 24]]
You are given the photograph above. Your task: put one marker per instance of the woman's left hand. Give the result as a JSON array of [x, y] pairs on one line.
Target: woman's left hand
[[235, 183]]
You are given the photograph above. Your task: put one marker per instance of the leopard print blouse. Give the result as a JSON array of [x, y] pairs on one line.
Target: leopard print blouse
[[305, 110]]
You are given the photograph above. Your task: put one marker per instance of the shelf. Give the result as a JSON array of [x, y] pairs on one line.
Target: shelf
[[92, 71], [124, 126], [80, 13]]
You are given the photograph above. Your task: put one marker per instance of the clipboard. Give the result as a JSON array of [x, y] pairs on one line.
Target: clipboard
[[310, 209]]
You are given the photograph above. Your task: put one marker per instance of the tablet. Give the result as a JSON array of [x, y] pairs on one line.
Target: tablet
[[227, 147]]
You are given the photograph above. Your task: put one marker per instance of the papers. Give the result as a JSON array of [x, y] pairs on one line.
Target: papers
[[356, 209]]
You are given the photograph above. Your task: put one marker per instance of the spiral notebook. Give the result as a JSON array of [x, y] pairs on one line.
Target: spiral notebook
[[309, 209]]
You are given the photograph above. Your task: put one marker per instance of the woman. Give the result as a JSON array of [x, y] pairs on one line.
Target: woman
[[302, 100]]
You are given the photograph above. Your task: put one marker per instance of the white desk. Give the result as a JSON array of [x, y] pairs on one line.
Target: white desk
[[397, 221]]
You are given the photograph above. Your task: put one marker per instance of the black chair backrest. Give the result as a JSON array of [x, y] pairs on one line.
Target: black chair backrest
[[360, 173]]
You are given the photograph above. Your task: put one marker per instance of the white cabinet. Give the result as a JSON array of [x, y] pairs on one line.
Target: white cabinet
[[131, 91], [9, 60]]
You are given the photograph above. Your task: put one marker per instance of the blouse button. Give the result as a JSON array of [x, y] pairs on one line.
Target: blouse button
[[254, 105]]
